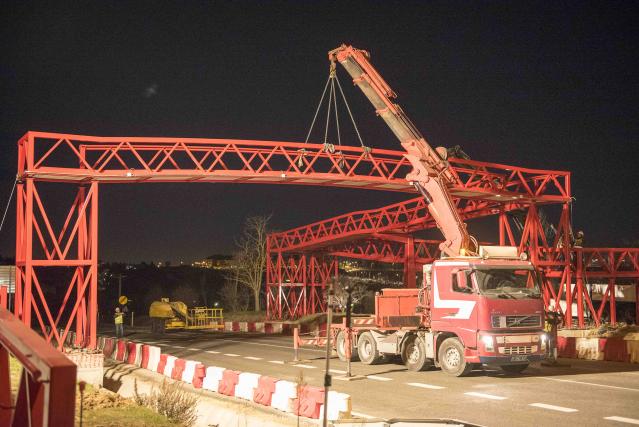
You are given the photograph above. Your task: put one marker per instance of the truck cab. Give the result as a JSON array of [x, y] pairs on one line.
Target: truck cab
[[484, 310]]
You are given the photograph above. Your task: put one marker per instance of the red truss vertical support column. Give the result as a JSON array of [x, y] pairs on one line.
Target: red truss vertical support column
[[410, 279], [40, 247]]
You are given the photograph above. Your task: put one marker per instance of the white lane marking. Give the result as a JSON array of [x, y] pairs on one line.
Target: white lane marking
[[212, 352], [176, 346], [553, 407], [485, 395], [429, 386], [150, 342], [360, 415], [337, 371], [271, 345], [593, 384], [194, 349], [231, 355], [277, 362], [623, 420], [252, 358], [299, 365], [378, 378]]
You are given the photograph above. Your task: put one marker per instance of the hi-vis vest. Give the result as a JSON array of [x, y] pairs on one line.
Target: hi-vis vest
[[118, 318]]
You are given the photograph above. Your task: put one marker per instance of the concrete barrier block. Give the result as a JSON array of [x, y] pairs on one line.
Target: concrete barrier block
[[285, 392], [170, 363], [246, 385], [213, 377], [339, 406], [588, 348], [154, 358], [189, 371]]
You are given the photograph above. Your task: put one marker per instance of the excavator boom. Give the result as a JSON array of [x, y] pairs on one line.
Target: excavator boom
[[431, 174]]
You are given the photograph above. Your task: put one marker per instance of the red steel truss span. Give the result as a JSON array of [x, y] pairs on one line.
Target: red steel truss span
[[479, 189]]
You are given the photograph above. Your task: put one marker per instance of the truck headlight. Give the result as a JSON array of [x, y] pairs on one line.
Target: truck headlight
[[488, 342]]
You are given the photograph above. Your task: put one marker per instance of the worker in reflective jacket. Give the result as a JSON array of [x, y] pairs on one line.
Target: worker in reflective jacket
[[119, 322]]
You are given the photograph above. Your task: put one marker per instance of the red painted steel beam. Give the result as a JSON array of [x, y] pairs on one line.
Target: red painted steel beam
[[49, 385], [408, 216], [77, 158]]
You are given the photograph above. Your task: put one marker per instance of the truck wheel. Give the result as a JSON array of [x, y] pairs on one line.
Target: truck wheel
[[367, 349], [451, 358], [340, 346], [514, 369], [414, 355]]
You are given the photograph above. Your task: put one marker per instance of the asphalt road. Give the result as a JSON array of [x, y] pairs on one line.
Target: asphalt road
[[587, 393]]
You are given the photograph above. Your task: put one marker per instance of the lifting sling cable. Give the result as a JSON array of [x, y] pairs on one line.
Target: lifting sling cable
[[332, 105], [4, 216]]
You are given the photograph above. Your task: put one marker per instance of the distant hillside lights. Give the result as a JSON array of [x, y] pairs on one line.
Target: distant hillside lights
[[215, 262]]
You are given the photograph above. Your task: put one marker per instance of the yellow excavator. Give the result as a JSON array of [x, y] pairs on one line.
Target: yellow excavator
[[166, 314]]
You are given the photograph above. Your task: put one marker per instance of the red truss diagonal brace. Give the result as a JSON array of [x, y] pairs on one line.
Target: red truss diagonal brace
[[73, 158]]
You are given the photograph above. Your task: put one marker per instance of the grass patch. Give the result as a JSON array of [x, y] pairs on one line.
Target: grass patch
[[102, 408], [136, 416]]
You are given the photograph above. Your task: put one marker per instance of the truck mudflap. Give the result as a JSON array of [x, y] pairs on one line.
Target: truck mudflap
[[510, 360]]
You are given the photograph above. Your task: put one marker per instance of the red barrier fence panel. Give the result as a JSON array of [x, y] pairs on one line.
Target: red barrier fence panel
[[46, 394], [309, 402], [250, 326], [229, 381], [178, 369], [198, 376], [145, 356], [264, 391], [109, 347], [121, 351], [131, 352], [567, 347], [614, 349], [235, 326], [162, 363]]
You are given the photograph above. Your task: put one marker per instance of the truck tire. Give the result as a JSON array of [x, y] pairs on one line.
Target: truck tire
[[340, 347], [451, 358], [414, 354], [514, 369], [367, 350]]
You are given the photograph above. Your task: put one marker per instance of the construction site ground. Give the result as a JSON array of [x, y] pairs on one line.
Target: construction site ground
[[543, 396]]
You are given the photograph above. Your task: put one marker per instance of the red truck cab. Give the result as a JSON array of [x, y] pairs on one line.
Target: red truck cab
[[469, 312], [490, 305]]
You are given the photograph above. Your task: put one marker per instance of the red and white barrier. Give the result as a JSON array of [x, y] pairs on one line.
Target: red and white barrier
[[339, 406], [228, 382], [283, 395], [246, 385], [264, 391], [189, 371], [170, 363], [213, 377], [154, 358], [285, 392]]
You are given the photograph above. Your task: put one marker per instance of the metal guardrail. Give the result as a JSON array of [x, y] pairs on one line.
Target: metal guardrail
[[205, 318], [46, 395]]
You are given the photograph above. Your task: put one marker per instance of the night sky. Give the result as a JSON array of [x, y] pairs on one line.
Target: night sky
[[540, 84]]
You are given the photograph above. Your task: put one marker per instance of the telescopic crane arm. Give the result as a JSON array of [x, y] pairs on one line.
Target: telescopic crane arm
[[431, 173]]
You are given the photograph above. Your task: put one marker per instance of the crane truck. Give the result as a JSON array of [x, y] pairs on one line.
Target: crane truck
[[476, 305]]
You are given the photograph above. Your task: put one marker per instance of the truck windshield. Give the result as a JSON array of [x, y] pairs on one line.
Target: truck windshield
[[508, 282]]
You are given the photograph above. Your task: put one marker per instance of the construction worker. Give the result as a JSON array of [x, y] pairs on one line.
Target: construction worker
[[119, 322], [553, 320], [579, 240]]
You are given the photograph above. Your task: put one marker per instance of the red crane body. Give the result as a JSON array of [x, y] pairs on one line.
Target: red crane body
[[431, 174]]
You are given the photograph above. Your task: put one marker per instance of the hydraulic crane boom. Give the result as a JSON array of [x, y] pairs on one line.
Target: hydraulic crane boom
[[430, 174]]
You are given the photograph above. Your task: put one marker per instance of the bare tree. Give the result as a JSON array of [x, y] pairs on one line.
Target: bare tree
[[234, 297], [358, 287], [251, 255]]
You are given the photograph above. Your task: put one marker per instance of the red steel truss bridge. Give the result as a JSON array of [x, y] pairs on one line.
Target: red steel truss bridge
[[302, 260], [298, 257]]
